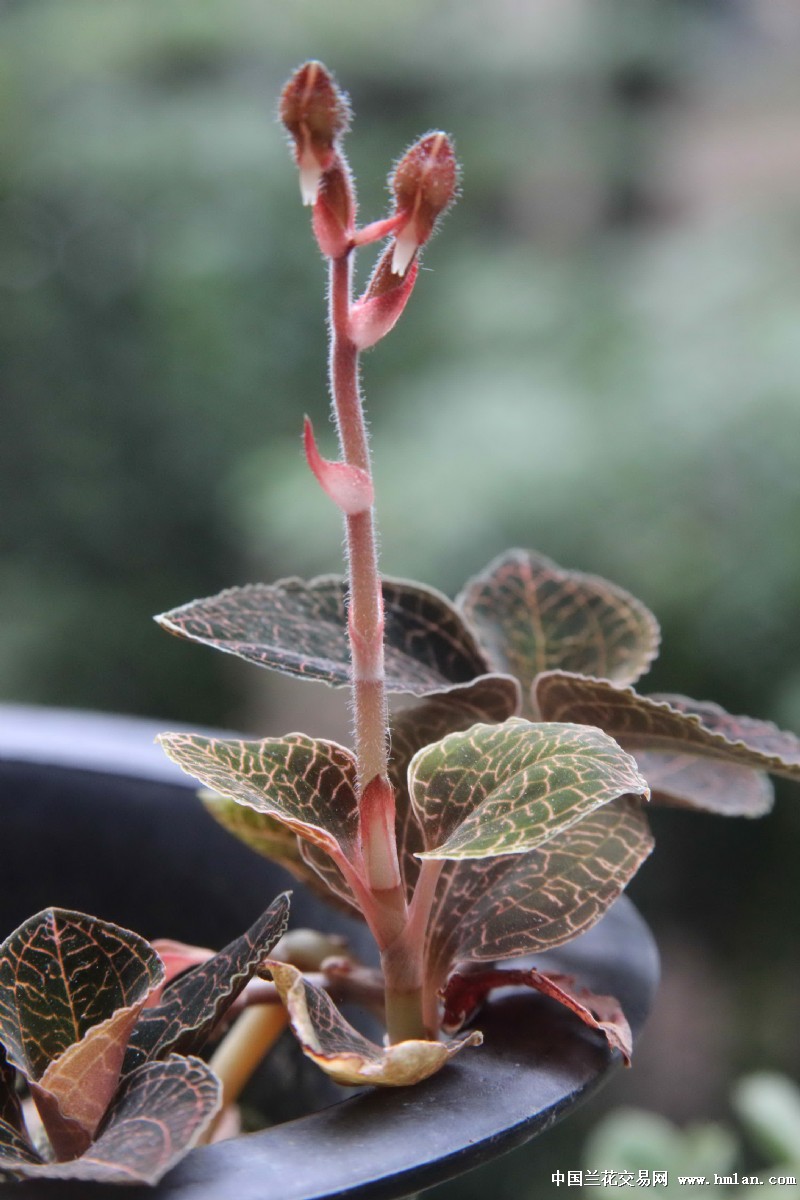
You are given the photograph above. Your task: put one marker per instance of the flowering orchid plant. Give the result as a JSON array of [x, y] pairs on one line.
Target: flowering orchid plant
[[503, 811], [497, 814]]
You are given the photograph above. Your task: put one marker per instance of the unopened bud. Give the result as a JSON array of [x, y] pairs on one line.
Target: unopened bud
[[424, 183], [380, 308], [334, 211], [349, 487], [316, 114]]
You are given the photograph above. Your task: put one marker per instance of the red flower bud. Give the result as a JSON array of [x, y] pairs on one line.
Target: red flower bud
[[316, 113], [424, 183], [334, 211], [349, 487], [380, 308]]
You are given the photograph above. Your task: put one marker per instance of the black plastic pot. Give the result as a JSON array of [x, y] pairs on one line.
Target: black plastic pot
[[95, 818]]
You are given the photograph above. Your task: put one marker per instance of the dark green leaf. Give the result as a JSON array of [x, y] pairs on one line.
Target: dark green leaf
[[342, 1052], [63, 973], [492, 698], [193, 1003], [668, 723], [533, 616], [525, 904], [505, 789], [709, 784], [308, 784], [159, 1114], [300, 628]]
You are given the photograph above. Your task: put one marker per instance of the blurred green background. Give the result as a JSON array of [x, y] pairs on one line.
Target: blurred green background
[[601, 361]]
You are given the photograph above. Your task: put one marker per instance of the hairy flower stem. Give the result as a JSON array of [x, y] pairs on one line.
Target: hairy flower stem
[[388, 914]]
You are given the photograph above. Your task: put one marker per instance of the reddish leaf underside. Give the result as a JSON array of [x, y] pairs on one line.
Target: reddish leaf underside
[[342, 1052], [71, 990], [271, 838], [708, 784], [505, 789], [193, 1004], [499, 908], [532, 615], [671, 724], [464, 994], [300, 628], [159, 1114]]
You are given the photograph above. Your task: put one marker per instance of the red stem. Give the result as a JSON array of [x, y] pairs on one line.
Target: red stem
[[365, 625]]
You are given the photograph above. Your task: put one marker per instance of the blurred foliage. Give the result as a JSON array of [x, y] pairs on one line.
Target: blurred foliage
[[600, 360], [768, 1109]]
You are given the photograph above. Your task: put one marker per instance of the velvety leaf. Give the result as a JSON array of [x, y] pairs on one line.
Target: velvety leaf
[[667, 723], [505, 789], [193, 1003], [342, 1052], [464, 993], [709, 784], [300, 628], [525, 904], [71, 990], [493, 698], [159, 1114], [531, 616], [307, 784], [276, 841], [61, 974]]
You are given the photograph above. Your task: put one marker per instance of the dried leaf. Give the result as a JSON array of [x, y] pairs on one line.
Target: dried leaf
[[525, 904], [493, 698], [193, 1003], [342, 1052], [300, 628], [532, 615], [464, 993], [505, 789], [159, 1114], [306, 783], [670, 723], [709, 784]]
